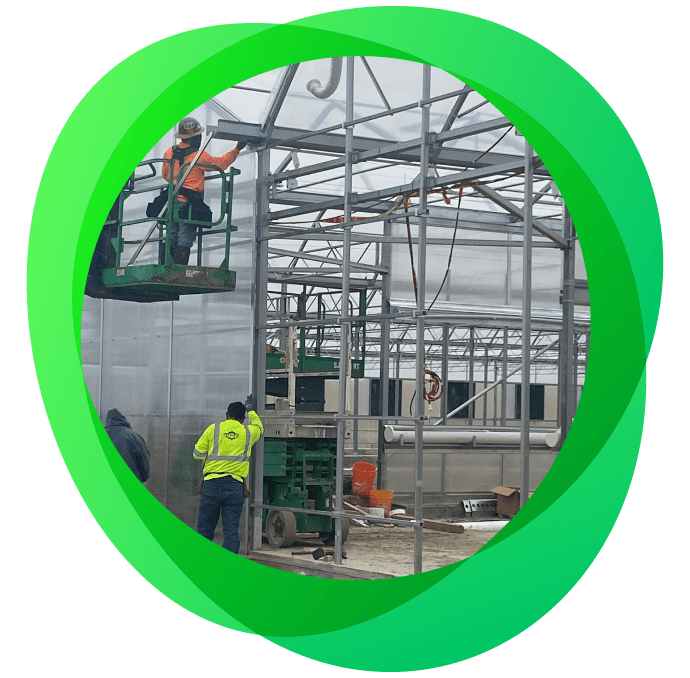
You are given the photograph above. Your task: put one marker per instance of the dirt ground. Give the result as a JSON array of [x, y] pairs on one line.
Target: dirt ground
[[390, 550]]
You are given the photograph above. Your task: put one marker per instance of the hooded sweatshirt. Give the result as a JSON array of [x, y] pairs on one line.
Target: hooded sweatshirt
[[129, 444]]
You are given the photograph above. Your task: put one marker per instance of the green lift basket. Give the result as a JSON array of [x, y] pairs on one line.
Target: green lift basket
[[114, 276]]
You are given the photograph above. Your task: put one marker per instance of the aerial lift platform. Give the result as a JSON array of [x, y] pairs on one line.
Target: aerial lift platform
[[113, 276]]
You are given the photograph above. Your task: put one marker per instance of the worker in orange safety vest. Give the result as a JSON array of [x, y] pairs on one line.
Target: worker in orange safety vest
[[191, 193]]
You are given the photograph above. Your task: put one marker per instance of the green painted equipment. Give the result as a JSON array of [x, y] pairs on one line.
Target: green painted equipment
[[313, 364], [158, 278], [300, 473]]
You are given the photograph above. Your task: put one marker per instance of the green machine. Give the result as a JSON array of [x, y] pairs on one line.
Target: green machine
[[114, 276], [300, 456], [300, 473]]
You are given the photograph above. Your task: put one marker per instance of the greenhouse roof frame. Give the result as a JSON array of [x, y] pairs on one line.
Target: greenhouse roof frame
[[339, 254]]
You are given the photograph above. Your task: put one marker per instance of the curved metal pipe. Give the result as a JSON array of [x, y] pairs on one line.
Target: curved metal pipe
[[314, 86]]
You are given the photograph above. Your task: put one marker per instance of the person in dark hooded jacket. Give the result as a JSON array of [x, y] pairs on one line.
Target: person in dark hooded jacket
[[129, 444]]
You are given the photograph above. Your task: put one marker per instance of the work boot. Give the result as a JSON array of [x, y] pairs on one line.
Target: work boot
[[181, 255]]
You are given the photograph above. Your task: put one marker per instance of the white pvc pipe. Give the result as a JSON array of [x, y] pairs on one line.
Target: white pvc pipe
[[545, 438]]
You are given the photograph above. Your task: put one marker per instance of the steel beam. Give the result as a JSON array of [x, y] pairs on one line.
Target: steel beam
[[503, 378], [438, 215], [327, 283], [376, 83], [467, 177], [278, 99], [459, 103], [513, 209], [369, 268], [392, 149], [334, 144]]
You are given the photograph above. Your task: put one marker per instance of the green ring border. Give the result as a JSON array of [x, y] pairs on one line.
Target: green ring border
[[582, 142]]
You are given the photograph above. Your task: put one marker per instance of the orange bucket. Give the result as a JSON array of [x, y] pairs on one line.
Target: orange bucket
[[362, 478], [381, 498]]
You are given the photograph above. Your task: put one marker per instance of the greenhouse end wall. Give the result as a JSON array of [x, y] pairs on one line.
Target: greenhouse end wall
[[173, 367]]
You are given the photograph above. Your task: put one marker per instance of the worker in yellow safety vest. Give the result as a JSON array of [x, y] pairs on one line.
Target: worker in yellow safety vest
[[225, 448]]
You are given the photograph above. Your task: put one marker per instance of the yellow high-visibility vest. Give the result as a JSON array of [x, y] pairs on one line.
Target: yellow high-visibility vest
[[226, 447]]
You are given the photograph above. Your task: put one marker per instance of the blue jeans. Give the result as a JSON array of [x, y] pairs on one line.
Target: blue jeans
[[221, 497]]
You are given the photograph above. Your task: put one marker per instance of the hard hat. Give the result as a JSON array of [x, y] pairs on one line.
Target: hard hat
[[188, 128]]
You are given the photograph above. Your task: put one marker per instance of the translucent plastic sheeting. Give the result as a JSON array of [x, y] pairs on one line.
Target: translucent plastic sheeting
[[401, 84], [172, 368], [482, 275]]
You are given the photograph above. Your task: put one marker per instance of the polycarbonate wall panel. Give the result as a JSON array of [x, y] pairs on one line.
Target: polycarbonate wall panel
[[91, 347], [184, 472], [135, 372], [462, 473], [170, 392]]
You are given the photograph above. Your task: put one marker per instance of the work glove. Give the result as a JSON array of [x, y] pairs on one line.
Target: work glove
[[250, 403], [240, 145]]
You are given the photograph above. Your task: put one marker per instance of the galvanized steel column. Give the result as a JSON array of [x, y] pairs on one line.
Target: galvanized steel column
[[384, 368], [260, 301], [444, 373], [566, 367], [470, 379], [526, 325], [504, 376], [345, 333], [421, 303]]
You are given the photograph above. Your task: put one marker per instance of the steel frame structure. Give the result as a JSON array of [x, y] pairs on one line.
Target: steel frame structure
[[337, 262]]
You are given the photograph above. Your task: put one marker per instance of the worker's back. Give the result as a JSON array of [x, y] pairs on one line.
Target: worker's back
[[131, 446]]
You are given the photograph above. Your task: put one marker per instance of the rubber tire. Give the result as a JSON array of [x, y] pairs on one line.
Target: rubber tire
[[281, 529], [329, 537]]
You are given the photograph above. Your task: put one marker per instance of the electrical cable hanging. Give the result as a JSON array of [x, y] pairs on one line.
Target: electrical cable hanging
[[452, 246], [409, 242], [433, 387]]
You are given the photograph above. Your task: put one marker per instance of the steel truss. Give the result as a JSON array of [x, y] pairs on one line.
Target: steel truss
[[322, 248]]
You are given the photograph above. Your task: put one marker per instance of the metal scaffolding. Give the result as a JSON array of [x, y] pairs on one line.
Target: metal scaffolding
[[322, 251]]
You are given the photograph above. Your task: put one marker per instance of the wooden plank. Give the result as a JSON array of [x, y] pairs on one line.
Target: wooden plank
[[313, 568], [443, 527], [355, 508]]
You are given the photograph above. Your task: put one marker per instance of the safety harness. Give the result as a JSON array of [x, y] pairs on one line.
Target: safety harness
[[194, 210]]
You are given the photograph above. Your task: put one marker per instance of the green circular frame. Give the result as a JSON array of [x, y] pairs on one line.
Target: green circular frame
[[534, 561]]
